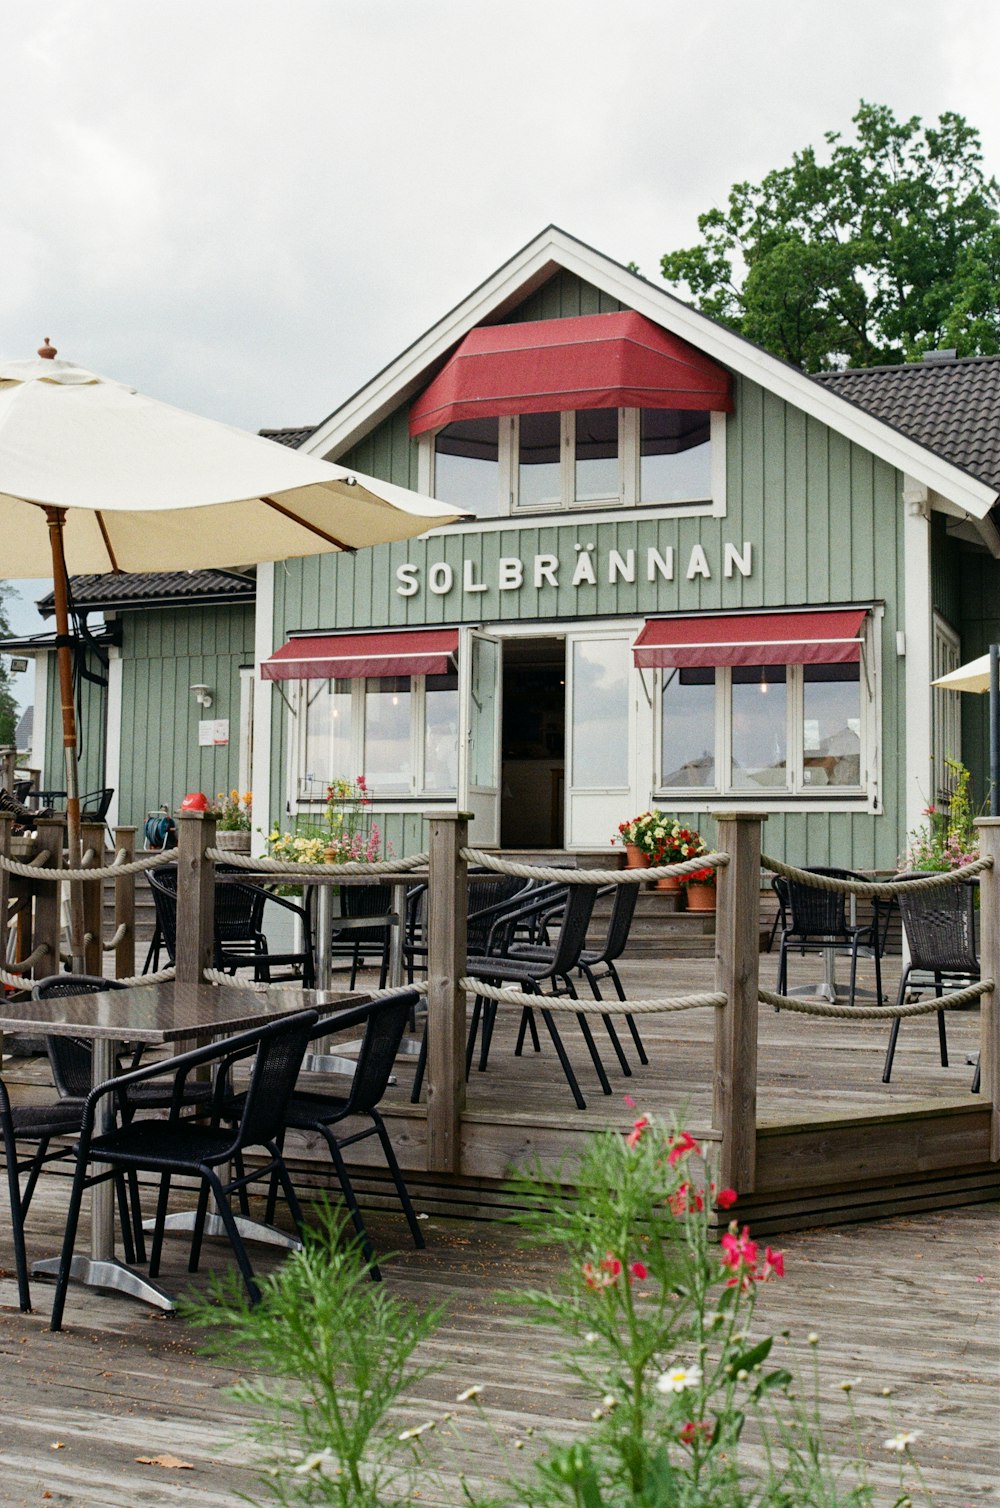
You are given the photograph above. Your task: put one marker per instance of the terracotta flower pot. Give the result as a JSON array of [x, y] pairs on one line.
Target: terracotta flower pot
[[636, 857], [700, 897], [670, 882]]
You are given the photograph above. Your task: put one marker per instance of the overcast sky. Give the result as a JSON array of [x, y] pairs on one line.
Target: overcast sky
[[247, 207]]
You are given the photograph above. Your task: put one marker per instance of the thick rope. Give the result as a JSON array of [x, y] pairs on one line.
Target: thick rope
[[163, 977], [115, 871], [594, 876], [590, 1007], [877, 1012], [385, 868], [885, 890], [13, 974], [261, 987], [117, 937]]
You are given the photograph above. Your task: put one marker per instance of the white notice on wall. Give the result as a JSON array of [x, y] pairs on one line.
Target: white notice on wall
[[213, 731]]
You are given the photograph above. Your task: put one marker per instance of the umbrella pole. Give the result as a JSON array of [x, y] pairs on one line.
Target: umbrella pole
[[994, 730], [56, 518]]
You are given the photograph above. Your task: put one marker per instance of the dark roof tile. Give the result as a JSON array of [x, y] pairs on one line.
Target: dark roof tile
[[156, 589], [292, 437]]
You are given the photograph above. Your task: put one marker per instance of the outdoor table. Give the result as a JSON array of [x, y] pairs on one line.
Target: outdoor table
[[156, 1014]]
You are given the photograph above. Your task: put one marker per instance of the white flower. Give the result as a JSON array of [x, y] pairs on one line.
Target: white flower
[[316, 1462], [903, 1440], [415, 1430], [848, 1384], [469, 1393], [678, 1379]]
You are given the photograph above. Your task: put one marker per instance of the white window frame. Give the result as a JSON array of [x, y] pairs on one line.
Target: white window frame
[[628, 475], [795, 795], [946, 710]]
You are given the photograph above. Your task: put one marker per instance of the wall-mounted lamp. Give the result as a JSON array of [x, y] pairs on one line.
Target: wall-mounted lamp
[[202, 696], [18, 665]]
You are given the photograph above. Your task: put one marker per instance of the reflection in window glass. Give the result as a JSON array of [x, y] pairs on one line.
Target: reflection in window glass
[[600, 713], [539, 479], [674, 456], [597, 454], [759, 738], [466, 466], [688, 730], [483, 741], [831, 725], [387, 734], [328, 734], [441, 733]]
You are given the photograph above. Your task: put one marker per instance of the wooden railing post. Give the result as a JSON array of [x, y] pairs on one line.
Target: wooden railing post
[[989, 966], [446, 948], [125, 906], [92, 839], [47, 927], [8, 762], [737, 974], [195, 896], [6, 823]]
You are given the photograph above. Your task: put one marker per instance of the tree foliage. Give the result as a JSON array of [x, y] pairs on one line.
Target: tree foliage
[[889, 248], [8, 706]]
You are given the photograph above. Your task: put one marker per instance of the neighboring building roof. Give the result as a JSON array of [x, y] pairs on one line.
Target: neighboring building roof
[[156, 589], [25, 729], [292, 437], [951, 406]]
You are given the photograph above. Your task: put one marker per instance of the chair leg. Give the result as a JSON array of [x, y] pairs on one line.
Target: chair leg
[[397, 1178], [942, 1034], [613, 975], [198, 1233], [418, 1077], [235, 1239], [854, 973], [595, 1057], [17, 1224], [977, 1076], [489, 1022], [470, 1045], [273, 1183], [567, 1067], [138, 1236], [126, 1219], [350, 1200], [878, 970], [158, 1225], [894, 1033], [284, 1179], [34, 1168], [69, 1241]]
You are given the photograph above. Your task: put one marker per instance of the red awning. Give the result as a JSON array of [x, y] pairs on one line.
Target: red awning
[[594, 361], [323, 657], [752, 639]]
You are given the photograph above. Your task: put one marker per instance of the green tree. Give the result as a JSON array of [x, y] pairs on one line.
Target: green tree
[[8, 706], [889, 248]]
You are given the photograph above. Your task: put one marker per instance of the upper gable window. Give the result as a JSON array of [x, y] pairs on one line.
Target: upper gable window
[[675, 455], [467, 466]]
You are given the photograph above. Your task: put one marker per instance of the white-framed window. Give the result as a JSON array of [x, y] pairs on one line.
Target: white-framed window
[[400, 732], [946, 710], [589, 458], [766, 732]]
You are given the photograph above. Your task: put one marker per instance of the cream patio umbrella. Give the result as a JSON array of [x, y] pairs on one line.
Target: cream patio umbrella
[[982, 675], [95, 477]]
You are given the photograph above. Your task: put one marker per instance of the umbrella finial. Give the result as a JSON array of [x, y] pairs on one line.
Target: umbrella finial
[[48, 350]]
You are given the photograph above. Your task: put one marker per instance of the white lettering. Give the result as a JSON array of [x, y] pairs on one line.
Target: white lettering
[[469, 582], [409, 585], [732, 557], [545, 571], [584, 570], [440, 578], [511, 573], [619, 566], [698, 565], [657, 562]]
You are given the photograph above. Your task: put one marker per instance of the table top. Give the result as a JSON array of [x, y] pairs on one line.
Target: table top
[[167, 1012]]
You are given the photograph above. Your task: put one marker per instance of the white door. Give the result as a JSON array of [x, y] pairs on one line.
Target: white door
[[480, 681], [599, 735]]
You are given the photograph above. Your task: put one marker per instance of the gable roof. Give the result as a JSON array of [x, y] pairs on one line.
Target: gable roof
[[553, 250], [951, 406], [290, 437], [156, 589]]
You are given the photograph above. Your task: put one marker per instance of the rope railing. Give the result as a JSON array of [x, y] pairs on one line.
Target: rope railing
[[382, 868], [116, 938], [114, 871], [882, 889], [594, 876], [591, 1007], [261, 987], [950, 1002], [13, 974]]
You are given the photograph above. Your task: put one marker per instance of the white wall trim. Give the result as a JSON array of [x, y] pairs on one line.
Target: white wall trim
[[113, 745], [40, 718], [916, 716], [263, 706]]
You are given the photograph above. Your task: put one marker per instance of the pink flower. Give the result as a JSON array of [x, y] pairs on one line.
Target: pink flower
[[635, 1135], [738, 1251], [630, 1102], [681, 1147], [773, 1267]]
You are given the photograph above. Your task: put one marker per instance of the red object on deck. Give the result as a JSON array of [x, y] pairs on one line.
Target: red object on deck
[[551, 365], [816, 638], [195, 801], [322, 657]]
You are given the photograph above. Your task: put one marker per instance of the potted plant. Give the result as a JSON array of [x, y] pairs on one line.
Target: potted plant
[[699, 889], [656, 838], [232, 820]]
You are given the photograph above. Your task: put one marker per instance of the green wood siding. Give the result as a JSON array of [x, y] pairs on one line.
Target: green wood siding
[[562, 297], [91, 714], [166, 653]]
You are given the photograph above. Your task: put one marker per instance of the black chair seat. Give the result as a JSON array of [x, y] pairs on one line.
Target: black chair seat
[[60, 1119], [164, 1144]]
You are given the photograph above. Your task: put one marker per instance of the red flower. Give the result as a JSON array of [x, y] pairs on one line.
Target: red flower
[[726, 1198], [738, 1251], [773, 1266], [635, 1135], [681, 1147], [639, 1270], [691, 1431]]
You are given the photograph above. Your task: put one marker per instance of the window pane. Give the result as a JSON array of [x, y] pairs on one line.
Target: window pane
[[466, 466], [387, 734], [483, 742], [600, 713], [539, 449], [759, 741], [441, 733], [688, 740], [674, 456], [831, 730], [597, 454], [328, 735]]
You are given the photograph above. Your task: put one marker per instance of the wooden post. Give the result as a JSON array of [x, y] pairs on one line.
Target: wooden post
[[8, 761], [737, 974], [125, 906], [6, 823], [92, 838], [48, 898], [446, 950], [989, 965], [195, 896]]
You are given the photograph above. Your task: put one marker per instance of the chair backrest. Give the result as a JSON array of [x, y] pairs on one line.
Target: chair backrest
[[95, 804], [572, 937], [488, 901], [385, 1024], [239, 909], [940, 926], [811, 912], [281, 1046], [163, 884], [70, 1057], [619, 923]]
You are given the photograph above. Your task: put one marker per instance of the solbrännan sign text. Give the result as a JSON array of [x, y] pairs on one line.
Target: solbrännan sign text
[[584, 568]]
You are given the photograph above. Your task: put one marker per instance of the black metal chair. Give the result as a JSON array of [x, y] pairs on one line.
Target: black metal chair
[[940, 927], [94, 805], [363, 928], [37, 1124], [240, 939], [814, 920], [384, 1023], [186, 1146]]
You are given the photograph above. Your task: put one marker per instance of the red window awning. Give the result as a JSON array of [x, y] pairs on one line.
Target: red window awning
[[810, 638], [323, 657], [593, 361]]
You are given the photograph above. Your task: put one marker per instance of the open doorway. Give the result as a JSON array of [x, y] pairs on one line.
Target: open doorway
[[533, 743]]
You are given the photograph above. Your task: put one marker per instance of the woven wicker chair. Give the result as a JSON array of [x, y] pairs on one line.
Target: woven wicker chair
[[940, 926], [813, 920]]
